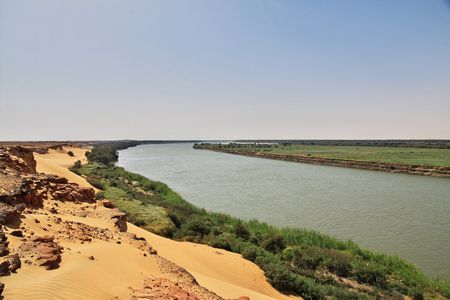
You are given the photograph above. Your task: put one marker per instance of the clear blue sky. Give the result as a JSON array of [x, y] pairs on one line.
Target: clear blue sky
[[144, 69]]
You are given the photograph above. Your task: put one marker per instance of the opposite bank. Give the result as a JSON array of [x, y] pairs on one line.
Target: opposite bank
[[436, 171]]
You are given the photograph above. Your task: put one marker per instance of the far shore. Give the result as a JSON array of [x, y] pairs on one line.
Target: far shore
[[436, 171]]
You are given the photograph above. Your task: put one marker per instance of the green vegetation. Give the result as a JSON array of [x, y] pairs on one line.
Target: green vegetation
[[408, 156], [295, 261]]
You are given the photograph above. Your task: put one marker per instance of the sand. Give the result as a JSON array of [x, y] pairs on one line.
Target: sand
[[57, 162], [119, 267]]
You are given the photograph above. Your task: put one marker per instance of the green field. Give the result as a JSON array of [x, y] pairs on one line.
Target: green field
[[409, 156]]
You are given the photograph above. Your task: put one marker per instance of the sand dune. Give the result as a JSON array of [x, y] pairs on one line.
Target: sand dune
[[223, 272], [119, 267], [57, 162]]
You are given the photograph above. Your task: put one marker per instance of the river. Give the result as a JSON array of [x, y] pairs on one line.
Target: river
[[394, 213]]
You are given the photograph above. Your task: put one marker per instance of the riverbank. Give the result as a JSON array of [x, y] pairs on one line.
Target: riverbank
[[89, 264], [315, 265], [269, 152]]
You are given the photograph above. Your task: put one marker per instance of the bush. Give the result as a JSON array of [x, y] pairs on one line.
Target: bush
[[284, 280], [77, 164], [223, 241], [76, 167], [338, 262], [198, 226], [95, 183], [70, 153], [273, 243], [314, 257], [241, 231], [104, 155], [100, 195], [251, 252], [368, 272]]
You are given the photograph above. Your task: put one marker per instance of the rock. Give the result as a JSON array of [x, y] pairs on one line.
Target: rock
[[73, 192], [14, 261], [9, 264], [161, 288], [17, 233], [106, 203], [44, 250], [3, 244], [18, 158], [120, 221], [4, 249], [4, 267], [91, 257], [9, 214]]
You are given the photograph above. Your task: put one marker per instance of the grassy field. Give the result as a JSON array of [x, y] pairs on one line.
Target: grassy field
[[295, 260], [409, 156]]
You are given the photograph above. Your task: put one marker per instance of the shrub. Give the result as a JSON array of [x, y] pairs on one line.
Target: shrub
[[77, 164], [284, 280], [241, 231], [95, 183], [198, 226], [104, 155], [251, 252], [369, 272], [223, 241], [273, 243], [70, 153], [314, 257], [100, 195], [76, 167], [338, 262]]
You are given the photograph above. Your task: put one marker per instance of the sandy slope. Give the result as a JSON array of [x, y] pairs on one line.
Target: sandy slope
[[57, 162], [225, 273]]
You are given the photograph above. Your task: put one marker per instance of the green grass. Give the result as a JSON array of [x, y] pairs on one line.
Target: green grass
[[409, 156], [295, 260]]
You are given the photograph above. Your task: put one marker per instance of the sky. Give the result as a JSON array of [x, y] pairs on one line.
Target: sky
[[147, 69]]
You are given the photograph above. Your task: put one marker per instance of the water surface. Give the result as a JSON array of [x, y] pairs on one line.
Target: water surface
[[395, 213]]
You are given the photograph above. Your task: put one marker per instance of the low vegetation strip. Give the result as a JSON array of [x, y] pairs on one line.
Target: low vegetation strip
[[295, 261], [415, 161]]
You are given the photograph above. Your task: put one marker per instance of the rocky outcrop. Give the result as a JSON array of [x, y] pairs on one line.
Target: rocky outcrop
[[18, 158], [3, 244], [43, 251], [140, 243], [9, 214], [182, 285], [73, 192], [105, 203], [20, 184], [9, 263], [81, 232], [120, 221], [161, 288]]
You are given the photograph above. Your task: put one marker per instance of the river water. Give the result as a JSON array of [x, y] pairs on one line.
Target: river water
[[394, 213]]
